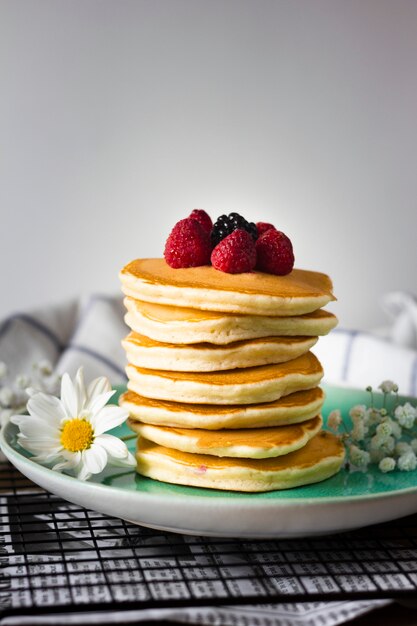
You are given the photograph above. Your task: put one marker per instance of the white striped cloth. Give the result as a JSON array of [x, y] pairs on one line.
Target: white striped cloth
[[74, 333]]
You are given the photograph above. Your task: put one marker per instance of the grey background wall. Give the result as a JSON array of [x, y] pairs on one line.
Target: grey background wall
[[117, 117]]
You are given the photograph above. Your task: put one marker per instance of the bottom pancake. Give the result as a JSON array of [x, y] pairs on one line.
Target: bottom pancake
[[319, 459], [254, 443]]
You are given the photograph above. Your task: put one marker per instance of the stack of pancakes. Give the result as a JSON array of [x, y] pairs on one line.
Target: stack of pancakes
[[223, 389]]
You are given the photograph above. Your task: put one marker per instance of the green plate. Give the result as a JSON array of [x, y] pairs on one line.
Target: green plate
[[345, 501]]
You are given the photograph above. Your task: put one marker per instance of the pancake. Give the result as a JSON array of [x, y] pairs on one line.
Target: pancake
[[256, 293], [205, 357], [173, 324], [292, 409], [252, 385], [254, 443], [319, 459]]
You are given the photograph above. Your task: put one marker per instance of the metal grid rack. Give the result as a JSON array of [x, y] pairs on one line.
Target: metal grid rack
[[56, 556]]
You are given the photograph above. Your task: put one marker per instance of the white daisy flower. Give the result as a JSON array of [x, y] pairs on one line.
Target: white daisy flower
[[70, 432]]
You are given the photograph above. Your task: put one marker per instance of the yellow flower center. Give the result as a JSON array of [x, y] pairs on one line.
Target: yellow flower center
[[77, 435]]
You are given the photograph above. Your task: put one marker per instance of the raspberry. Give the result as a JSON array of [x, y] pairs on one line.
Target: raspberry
[[188, 245], [274, 253], [263, 227], [203, 219], [235, 253], [226, 224]]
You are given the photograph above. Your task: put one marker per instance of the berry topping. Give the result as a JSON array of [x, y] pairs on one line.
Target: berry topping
[[235, 253], [263, 227], [274, 253], [203, 219], [188, 245], [226, 224]]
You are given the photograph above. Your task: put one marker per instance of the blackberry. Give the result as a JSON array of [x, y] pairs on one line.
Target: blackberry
[[226, 224]]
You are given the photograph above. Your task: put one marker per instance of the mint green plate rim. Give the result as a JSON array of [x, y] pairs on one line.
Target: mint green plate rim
[[399, 483]]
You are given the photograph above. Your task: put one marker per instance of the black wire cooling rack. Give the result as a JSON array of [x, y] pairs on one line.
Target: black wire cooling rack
[[56, 556]]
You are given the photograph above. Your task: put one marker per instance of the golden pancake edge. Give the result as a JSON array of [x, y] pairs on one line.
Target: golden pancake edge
[[252, 385], [256, 293], [291, 409], [258, 443], [179, 325], [319, 459]]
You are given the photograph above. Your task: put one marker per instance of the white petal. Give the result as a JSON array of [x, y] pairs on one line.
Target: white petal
[[129, 461], [18, 419], [38, 446], [109, 417], [80, 389], [33, 427], [69, 397], [70, 460], [73, 457], [100, 401], [96, 388], [114, 447], [94, 459], [61, 466], [46, 458], [83, 473], [46, 407]]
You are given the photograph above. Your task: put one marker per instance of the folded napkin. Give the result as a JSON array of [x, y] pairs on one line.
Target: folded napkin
[[68, 335], [89, 333]]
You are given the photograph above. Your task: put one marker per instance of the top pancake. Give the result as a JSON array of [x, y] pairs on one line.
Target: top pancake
[[205, 288]]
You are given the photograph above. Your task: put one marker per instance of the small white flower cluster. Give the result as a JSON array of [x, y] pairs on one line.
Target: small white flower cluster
[[385, 436], [14, 395]]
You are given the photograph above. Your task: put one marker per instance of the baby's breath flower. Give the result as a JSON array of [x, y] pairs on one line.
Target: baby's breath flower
[[387, 386], [373, 416], [358, 412], [6, 397], [388, 445], [359, 431], [376, 455], [402, 447], [413, 444], [334, 419], [384, 430], [396, 429], [376, 442], [382, 444], [406, 415], [407, 462], [22, 381], [44, 367], [359, 458], [387, 464]]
